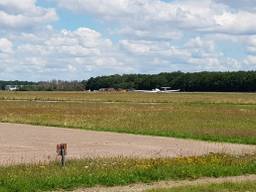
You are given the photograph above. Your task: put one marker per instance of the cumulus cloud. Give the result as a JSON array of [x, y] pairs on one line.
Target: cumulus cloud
[[5, 46], [177, 34], [248, 5], [6, 52], [251, 44], [196, 54], [61, 54], [24, 14], [251, 60], [154, 49], [204, 16], [143, 36], [149, 33]]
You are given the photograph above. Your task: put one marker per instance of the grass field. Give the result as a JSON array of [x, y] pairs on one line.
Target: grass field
[[228, 117], [225, 187], [120, 171]]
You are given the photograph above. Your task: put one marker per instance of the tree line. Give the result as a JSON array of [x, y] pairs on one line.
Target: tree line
[[241, 81], [200, 81], [54, 85], [3, 84]]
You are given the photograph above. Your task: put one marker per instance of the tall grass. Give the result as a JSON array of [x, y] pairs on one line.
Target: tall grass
[[120, 171]]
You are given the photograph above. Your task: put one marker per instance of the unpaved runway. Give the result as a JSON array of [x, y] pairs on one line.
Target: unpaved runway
[[28, 144]]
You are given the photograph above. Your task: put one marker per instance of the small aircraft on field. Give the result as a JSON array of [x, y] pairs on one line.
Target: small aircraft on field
[[156, 90]]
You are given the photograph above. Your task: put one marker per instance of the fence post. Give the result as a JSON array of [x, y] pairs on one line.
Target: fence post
[[62, 151]]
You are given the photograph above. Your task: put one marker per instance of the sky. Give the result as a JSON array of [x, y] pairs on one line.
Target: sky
[[79, 39]]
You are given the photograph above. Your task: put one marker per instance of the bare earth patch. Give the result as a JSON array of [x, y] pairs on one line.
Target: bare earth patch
[[31, 144]]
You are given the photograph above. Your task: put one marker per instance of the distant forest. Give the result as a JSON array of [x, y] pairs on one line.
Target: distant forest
[[3, 84], [54, 85], [201, 81]]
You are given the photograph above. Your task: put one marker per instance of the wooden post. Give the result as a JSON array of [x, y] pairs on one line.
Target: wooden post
[[62, 156], [62, 151]]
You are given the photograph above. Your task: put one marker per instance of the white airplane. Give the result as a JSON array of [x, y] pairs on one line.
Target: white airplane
[[169, 90], [156, 90]]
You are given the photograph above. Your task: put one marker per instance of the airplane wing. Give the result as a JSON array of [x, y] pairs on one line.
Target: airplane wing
[[171, 91]]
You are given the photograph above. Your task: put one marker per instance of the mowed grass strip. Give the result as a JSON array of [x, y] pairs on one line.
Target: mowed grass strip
[[225, 187], [206, 121], [120, 171]]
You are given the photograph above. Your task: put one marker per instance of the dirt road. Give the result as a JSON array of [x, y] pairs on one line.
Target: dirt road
[[170, 184], [28, 144]]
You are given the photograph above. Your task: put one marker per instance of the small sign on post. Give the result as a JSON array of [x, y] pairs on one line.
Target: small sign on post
[[62, 151]]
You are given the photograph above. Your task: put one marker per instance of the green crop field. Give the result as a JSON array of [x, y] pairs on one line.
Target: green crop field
[[228, 117]]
